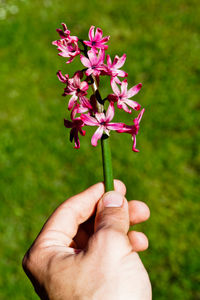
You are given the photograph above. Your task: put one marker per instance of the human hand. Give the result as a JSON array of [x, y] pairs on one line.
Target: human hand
[[84, 251]]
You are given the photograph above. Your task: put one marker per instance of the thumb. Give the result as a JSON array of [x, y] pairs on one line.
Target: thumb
[[112, 213]]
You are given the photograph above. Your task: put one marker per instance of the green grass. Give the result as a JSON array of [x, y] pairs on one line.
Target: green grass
[[40, 168]]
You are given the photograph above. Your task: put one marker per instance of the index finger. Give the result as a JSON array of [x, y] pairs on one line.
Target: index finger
[[63, 224]]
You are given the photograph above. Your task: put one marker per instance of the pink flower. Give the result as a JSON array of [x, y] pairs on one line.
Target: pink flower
[[102, 121], [133, 129], [77, 89], [122, 97], [95, 40], [67, 45], [112, 68], [76, 127], [63, 78], [94, 63], [65, 33]]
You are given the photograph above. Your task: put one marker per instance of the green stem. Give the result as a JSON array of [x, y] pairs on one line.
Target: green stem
[[105, 145], [107, 163]]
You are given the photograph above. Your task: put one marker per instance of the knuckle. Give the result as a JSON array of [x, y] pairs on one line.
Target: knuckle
[[31, 260]]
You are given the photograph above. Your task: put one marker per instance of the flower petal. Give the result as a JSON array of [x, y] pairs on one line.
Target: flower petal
[[100, 117], [134, 143], [120, 62], [88, 120], [67, 123], [109, 61], [101, 57], [85, 61], [92, 57], [125, 108], [115, 126], [124, 86], [115, 87], [110, 112], [96, 136], [133, 104], [91, 33], [71, 102], [62, 78], [140, 115], [98, 34], [134, 90]]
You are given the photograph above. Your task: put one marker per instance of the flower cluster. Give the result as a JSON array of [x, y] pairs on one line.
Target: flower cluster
[[90, 110]]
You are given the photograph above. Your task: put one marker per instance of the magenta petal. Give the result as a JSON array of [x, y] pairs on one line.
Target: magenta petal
[[101, 56], [133, 104], [88, 120], [115, 126], [100, 117], [124, 86], [91, 33], [134, 144], [115, 87], [85, 61], [140, 115], [105, 40], [110, 112], [84, 86], [76, 138], [120, 61], [122, 73], [71, 102], [62, 78], [98, 34], [125, 108], [92, 57], [134, 90], [67, 123], [85, 102], [108, 59], [96, 136]]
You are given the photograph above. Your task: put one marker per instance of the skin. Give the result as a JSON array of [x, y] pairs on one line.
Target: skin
[[85, 251]]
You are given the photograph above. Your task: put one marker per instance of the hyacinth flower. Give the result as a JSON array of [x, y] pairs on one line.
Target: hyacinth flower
[[87, 106], [102, 121], [112, 69], [67, 45], [96, 41], [133, 129], [94, 63], [76, 125], [123, 97]]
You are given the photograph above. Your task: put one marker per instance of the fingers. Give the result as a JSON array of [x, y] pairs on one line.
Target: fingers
[[112, 213], [64, 222], [111, 226], [138, 212], [138, 240]]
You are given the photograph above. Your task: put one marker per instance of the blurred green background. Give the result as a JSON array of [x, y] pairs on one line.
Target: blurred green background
[[40, 168]]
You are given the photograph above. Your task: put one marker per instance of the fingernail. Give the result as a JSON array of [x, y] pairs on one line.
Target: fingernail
[[113, 199]]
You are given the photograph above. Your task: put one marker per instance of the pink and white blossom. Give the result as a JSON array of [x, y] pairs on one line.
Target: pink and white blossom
[[67, 45], [112, 69], [63, 78], [103, 122], [133, 129], [94, 62], [96, 40], [122, 96], [77, 89], [76, 127]]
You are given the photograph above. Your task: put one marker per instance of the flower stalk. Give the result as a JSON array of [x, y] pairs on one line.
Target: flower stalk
[[107, 163], [105, 145]]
